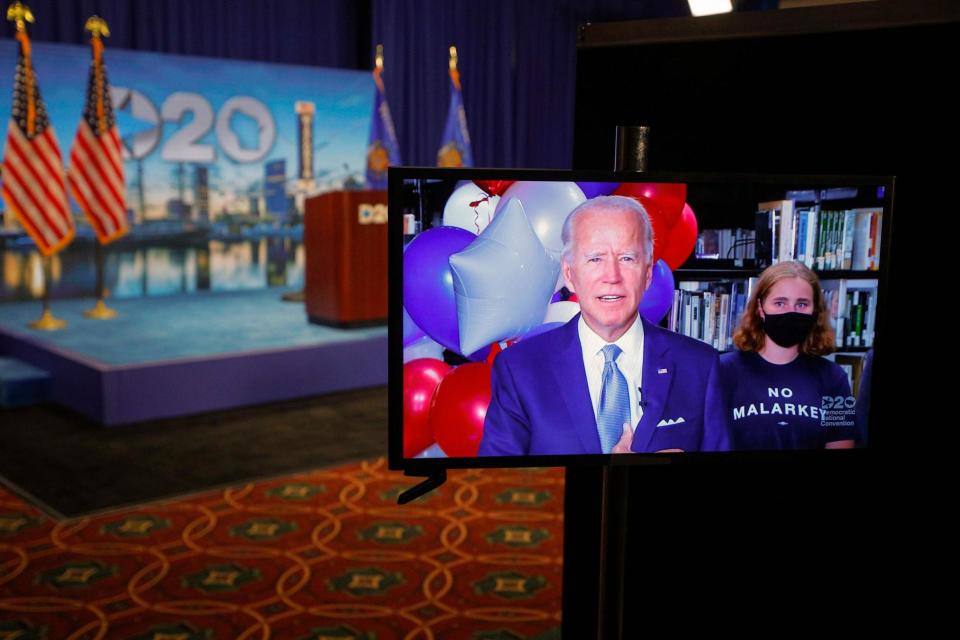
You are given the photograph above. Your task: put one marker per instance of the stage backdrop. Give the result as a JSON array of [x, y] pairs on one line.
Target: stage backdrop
[[219, 155]]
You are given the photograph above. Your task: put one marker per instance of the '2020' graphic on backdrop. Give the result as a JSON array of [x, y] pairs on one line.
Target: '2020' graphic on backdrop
[[205, 137]]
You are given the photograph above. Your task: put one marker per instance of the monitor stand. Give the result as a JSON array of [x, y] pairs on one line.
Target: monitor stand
[[433, 480]]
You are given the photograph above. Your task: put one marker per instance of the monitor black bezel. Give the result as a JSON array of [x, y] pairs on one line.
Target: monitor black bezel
[[426, 466]]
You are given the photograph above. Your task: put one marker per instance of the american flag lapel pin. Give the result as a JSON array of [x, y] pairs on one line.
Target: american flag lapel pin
[[661, 370]]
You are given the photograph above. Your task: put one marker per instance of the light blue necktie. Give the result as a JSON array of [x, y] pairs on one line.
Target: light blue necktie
[[614, 408]]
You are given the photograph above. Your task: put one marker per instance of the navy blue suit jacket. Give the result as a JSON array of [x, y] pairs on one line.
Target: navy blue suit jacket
[[541, 403]]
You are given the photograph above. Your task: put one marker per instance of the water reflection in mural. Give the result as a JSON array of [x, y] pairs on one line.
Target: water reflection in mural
[[132, 271]]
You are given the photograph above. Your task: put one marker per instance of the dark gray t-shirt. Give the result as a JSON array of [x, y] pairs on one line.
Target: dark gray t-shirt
[[800, 405]]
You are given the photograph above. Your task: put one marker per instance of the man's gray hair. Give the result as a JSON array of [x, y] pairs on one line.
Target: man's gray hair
[[613, 204]]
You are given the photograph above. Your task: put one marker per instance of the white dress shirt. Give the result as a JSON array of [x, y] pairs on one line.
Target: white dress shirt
[[630, 363]]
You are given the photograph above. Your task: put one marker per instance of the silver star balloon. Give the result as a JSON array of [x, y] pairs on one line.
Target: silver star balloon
[[502, 281]]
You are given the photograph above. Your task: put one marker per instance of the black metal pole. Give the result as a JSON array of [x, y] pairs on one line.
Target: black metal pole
[[631, 155], [631, 148]]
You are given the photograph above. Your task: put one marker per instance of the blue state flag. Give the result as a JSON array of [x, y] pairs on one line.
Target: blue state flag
[[455, 148], [383, 150]]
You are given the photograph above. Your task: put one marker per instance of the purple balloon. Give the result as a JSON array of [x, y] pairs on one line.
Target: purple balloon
[[411, 332], [479, 356], [658, 299], [428, 282], [594, 189]]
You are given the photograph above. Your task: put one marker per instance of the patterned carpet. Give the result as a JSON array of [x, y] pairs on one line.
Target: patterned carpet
[[321, 555]]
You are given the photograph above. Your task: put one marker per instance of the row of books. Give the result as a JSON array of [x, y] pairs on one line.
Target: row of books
[[853, 310], [823, 239], [726, 244], [710, 311]]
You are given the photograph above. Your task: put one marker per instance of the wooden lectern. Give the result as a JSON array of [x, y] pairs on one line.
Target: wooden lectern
[[345, 240]]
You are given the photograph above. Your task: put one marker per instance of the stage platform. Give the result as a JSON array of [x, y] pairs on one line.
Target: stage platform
[[185, 354]]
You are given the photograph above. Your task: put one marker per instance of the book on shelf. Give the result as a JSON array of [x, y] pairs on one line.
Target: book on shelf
[[780, 219], [834, 298], [844, 239], [845, 254], [766, 228], [807, 222], [852, 308], [861, 233], [708, 310], [862, 311], [866, 239]]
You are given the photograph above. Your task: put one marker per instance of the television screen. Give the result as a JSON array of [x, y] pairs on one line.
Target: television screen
[[557, 318]]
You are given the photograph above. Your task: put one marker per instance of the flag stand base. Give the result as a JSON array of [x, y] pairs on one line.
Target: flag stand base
[[100, 311], [47, 322]]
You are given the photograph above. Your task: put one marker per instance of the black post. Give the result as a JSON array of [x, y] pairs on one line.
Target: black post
[[632, 145], [631, 155]]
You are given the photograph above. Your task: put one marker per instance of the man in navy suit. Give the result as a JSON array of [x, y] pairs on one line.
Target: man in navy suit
[[608, 381]]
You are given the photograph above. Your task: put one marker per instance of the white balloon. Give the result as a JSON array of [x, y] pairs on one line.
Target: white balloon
[[433, 451], [562, 311], [424, 347], [469, 207], [547, 205]]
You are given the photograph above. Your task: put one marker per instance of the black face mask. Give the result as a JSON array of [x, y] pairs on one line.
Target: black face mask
[[788, 329]]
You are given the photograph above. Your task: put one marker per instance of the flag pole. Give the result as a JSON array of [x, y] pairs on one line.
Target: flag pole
[[97, 27], [100, 310], [47, 321], [20, 15]]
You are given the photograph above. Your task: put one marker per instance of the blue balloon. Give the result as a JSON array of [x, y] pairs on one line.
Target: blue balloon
[[411, 332], [594, 189], [658, 299], [428, 283]]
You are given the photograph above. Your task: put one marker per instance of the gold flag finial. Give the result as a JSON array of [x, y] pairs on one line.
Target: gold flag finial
[[454, 73], [453, 58], [97, 27], [20, 14], [378, 69]]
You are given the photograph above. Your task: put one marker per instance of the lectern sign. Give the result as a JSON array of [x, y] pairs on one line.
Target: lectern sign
[[372, 214]]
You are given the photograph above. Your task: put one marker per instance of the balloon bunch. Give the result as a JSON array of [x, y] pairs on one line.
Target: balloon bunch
[[444, 406], [491, 274]]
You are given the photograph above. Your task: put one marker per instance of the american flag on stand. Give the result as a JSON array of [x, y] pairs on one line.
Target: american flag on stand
[[33, 181], [96, 161]]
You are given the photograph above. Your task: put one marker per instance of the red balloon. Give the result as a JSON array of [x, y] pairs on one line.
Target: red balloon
[[661, 232], [670, 196], [494, 187], [459, 407], [682, 239], [420, 380]]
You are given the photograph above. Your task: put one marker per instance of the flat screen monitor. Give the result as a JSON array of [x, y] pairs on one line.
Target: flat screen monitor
[[542, 318]]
